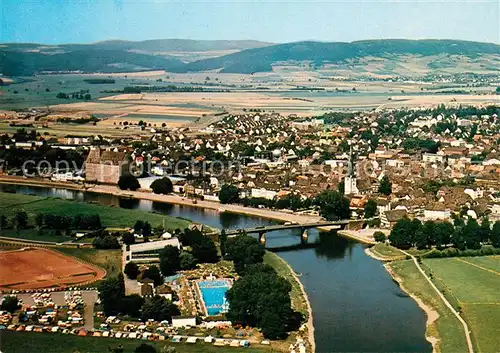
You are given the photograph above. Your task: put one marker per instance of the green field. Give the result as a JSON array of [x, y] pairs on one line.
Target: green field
[[471, 285], [110, 260], [26, 342], [110, 216], [447, 327], [387, 252]]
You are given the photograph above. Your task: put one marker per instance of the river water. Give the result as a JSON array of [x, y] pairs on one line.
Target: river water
[[356, 305]]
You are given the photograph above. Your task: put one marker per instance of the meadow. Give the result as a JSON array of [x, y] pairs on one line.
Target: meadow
[[112, 217], [471, 285]]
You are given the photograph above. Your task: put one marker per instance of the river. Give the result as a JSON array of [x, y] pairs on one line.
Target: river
[[356, 305]]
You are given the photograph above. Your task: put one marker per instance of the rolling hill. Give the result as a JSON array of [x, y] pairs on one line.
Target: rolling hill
[[246, 57], [319, 53]]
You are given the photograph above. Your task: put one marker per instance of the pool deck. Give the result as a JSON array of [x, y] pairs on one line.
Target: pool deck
[[199, 292]]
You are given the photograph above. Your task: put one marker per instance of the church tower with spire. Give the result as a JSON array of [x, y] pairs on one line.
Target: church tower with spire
[[350, 182]]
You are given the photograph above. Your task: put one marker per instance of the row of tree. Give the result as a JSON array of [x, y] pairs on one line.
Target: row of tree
[[60, 222], [461, 235]]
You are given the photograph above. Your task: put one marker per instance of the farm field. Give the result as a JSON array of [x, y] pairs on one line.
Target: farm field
[[23, 342], [471, 285], [110, 216], [43, 268]]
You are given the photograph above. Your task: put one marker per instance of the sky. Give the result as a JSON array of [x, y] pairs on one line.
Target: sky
[[279, 21]]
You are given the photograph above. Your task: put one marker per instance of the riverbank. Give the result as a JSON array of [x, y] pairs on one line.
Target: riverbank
[[443, 330], [298, 293], [289, 273], [172, 199], [432, 315]]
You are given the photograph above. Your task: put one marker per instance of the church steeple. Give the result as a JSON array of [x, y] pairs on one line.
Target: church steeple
[[350, 182]]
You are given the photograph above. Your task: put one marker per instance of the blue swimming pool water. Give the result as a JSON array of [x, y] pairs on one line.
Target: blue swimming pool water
[[214, 295]]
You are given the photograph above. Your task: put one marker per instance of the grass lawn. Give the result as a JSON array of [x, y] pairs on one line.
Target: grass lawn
[[387, 251], [467, 283], [298, 302], [27, 342], [472, 284], [447, 327], [110, 260], [110, 216]]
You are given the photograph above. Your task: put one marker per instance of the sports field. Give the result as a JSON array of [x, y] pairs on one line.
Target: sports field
[[472, 285], [42, 268]]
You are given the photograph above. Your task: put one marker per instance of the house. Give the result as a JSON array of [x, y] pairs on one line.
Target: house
[[389, 218], [437, 212], [165, 291], [105, 166], [183, 321], [147, 289]]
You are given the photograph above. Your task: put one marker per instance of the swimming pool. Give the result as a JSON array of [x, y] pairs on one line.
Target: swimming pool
[[214, 295]]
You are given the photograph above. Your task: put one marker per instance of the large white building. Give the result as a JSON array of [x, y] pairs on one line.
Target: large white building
[[148, 252]]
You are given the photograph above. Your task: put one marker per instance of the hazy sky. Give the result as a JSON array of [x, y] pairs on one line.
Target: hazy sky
[[83, 21]]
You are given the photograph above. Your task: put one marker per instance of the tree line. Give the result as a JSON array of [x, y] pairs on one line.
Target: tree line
[[461, 235]]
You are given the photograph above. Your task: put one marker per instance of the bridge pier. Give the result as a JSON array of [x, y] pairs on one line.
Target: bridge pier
[[262, 238], [304, 236]]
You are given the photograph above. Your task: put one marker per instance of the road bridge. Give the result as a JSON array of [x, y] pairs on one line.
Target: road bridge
[[263, 230]]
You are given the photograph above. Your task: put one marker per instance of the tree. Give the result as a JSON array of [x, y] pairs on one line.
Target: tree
[[10, 304], [128, 238], [159, 309], [128, 182], [471, 234], [20, 220], [402, 234], [222, 242], [443, 231], [153, 273], [485, 230], [333, 206], [39, 220], [495, 235], [162, 186], [138, 225], [244, 251], [145, 348], [205, 250], [370, 208], [229, 194], [131, 305], [111, 293], [379, 237], [341, 187], [106, 242], [188, 261], [261, 299], [170, 261], [385, 186], [131, 270]]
